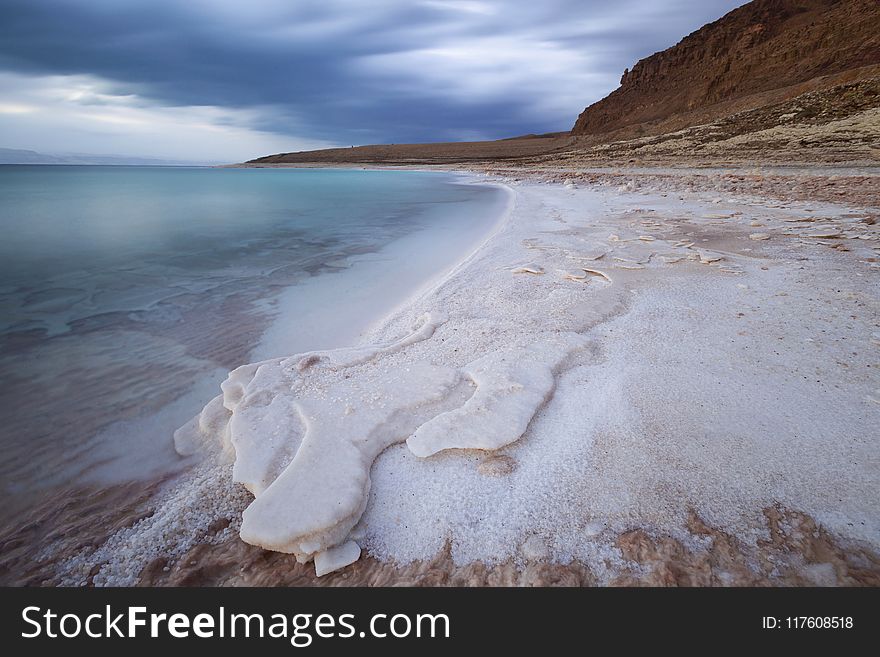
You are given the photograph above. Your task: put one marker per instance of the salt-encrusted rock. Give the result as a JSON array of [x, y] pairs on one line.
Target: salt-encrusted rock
[[598, 273], [197, 435], [530, 268], [826, 233], [337, 557]]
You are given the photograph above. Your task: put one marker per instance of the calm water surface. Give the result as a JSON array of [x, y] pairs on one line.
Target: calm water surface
[[127, 293]]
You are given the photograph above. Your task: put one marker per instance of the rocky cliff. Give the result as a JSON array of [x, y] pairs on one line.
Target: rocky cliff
[[774, 81], [765, 51]]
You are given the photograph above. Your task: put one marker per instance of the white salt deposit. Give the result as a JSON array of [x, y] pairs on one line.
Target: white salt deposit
[[671, 388], [304, 431], [511, 386], [336, 557]]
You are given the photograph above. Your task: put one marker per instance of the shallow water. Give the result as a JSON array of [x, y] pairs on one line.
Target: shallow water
[[127, 293]]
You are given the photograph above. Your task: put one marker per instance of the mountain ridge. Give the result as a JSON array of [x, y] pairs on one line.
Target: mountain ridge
[[760, 47]]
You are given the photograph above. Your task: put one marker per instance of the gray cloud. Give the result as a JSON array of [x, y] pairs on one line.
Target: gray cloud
[[347, 71]]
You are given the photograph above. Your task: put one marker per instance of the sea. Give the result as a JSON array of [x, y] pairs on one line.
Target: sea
[[128, 293]]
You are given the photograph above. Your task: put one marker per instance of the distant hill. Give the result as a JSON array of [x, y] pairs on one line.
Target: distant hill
[[436, 153], [19, 156], [16, 156]]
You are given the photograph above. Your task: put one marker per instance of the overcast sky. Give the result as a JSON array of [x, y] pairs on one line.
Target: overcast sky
[[234, 79]]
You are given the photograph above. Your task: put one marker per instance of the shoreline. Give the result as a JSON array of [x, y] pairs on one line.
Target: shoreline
[[439, 278], [371, 271], [632, 535]]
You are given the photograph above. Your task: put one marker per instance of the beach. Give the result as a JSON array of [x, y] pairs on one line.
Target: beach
[[649, 376]]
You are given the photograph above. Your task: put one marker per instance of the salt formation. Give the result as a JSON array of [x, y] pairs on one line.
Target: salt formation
[[530, 268], [511, 386], [596, 272], [336, 558], [304, 431]]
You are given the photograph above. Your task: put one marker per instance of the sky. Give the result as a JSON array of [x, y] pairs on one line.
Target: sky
[[229, 80]]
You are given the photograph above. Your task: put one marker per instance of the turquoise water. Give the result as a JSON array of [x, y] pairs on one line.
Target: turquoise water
[[127, 293]]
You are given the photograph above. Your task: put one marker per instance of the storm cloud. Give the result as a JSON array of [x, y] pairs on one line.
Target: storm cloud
[[237, 78]]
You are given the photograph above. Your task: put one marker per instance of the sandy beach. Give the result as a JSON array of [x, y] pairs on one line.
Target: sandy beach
[[642, 377]]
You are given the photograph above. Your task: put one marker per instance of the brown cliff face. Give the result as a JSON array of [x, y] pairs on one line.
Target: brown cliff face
[[764, 46]]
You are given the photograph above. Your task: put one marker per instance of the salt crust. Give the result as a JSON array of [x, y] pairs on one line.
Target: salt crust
[[695, 391], [303, 431]]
